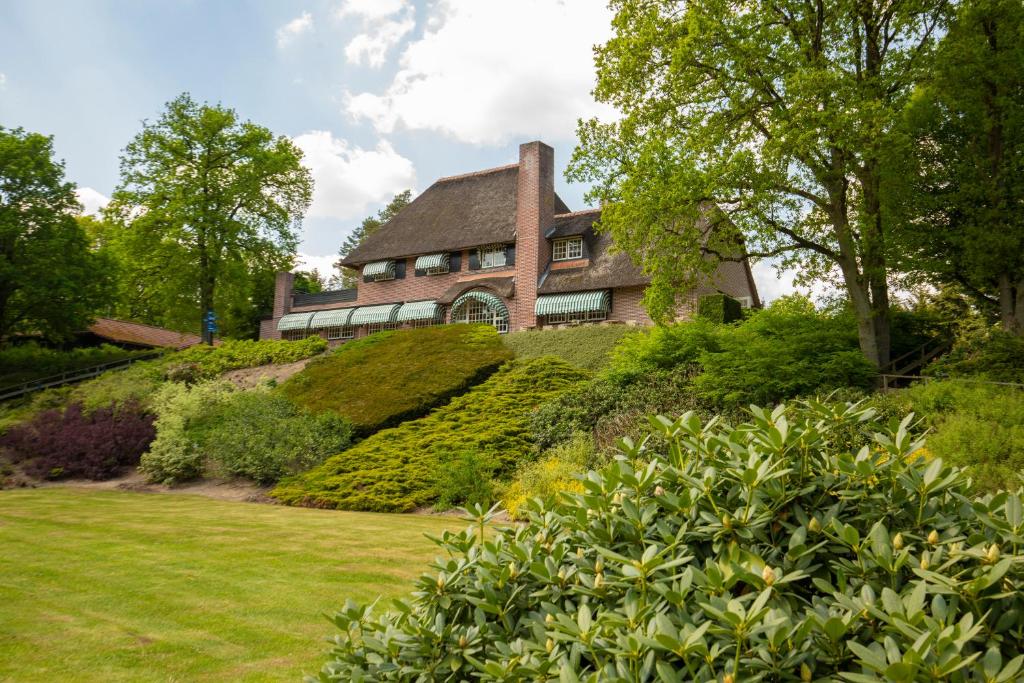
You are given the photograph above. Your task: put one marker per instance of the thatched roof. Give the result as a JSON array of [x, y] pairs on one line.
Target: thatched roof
[[605, 270], [454, 213]]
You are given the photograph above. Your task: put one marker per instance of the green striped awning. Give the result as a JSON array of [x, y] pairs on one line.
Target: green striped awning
[[420, 310], [486, 298], [338, 317], [574, 302], [379, 269], [294, 321], [365, 315], [432, 261]]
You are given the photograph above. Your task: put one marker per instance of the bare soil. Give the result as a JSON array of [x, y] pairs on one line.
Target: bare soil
[[247, 378]]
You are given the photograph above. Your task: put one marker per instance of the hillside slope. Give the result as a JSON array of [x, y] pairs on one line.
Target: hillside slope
[[389, 377], [399, 469]]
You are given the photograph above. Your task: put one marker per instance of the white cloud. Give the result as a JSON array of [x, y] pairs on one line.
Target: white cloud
[[372, 46], [485, 73], [324, 264], [370, 9], [92, 200], [349, 179], [3, 80], [773, 282], [294, 28]]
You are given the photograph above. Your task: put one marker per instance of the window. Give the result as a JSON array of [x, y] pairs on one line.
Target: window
[[294, 335], [473, 311], [492, 256], [339, 332], [746, 301], [564, 250], [426, 322], [437, 270], [585, 317], [380, 327]]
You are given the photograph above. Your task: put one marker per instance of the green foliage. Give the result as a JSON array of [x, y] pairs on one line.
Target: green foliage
[[975, 426], [719, 308], [585, 346], [389, 377], [465, 478], [554, 472], [213, 429], [756, 552], [778, 354], [25, 362], [247, 353], [208, 208], [50, 281], [662, 348], [397, 469], [983, 353]]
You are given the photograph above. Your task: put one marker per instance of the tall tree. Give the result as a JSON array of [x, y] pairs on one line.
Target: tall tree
[[346, 277], [761, 127], [51, 283], [208, 202], [309, 281], [964, 166]]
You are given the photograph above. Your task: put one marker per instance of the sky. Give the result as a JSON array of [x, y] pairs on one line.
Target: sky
[[380, 95]]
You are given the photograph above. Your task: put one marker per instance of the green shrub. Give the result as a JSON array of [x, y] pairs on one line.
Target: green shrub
[[465, 478], [390, 377], [177, 452], [585, 346], [983, 353], [719, 308], [556, 471], [661, 348], [246, 353], [754, 553], [212, 429], [782, 352], [135, 384], [397, 469], [975, 426], [30, 361]]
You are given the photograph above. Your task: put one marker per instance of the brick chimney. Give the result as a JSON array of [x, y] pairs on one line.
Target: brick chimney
[[535, 213], [283, 284]]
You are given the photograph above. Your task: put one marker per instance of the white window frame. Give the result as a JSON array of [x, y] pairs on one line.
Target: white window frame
[[492, 256], [294, 335], [425, 322], [380, 327], [438, 270], [567, 249], [585, 317], [336, 332], [745, 301], [475, 311], [383, 277]]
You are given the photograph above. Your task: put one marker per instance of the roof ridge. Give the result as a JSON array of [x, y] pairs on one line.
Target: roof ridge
[[577, 213], [152, 327], [486, 171]]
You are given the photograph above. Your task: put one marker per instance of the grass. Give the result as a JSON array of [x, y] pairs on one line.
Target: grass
[[389, 377], [483, 433], [586, 346], [113, 586]]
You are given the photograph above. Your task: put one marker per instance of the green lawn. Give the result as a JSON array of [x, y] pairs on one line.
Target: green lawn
[[111, 586]]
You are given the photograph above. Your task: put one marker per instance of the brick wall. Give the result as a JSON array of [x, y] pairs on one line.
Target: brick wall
[[283, 284], [535, 210], [268, 329]]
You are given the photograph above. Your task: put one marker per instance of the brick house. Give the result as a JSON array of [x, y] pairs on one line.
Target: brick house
[[495, 246]]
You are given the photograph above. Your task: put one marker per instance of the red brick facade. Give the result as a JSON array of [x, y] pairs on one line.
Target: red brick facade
[[535, 216]]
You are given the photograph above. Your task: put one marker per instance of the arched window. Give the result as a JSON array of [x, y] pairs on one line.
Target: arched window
[[481, 307]]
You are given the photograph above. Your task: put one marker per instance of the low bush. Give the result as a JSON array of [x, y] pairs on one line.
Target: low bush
[[76, 443], [661, 348], [976, 426], [756, 552], [398, 469], [387, 378], [719, 308], [465, 478], [555, 472], [30, 361], [983, 353], [246, 353], [586, 346], [213, 429]]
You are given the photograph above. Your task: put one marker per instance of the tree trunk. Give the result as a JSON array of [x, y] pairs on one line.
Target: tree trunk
[[1011, 305]]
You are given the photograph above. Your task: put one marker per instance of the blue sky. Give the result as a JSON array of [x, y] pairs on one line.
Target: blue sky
[[381, 95]]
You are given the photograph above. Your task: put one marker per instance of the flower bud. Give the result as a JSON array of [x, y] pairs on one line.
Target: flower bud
[[933, 537], [599, 565], [550, 645], [897, 541], [440, 582], [513, 570], [805, 673], [561, 575], [993, 554], [924, 561], [549, 618], [814, 526], [579, 552], [726, 521], [768, 575], [617, 499], [728, 678], [598, 580], [659, 491], [463, 642]]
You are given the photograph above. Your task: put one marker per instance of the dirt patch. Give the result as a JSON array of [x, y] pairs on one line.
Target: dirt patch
[[247, 378], [220, 489]]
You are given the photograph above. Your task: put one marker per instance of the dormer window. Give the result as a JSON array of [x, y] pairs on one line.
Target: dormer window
[[492, 256], [377, 271], [567, 249]]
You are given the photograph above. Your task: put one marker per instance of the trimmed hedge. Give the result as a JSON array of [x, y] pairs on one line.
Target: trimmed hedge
[[30, 361], [397, 470], [211, 361], [719, 308], [585, 346], [389, 377]]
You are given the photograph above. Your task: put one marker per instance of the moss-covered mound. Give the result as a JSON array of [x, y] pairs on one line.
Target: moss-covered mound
[[586, 346], [398, 470], [389, 377]]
